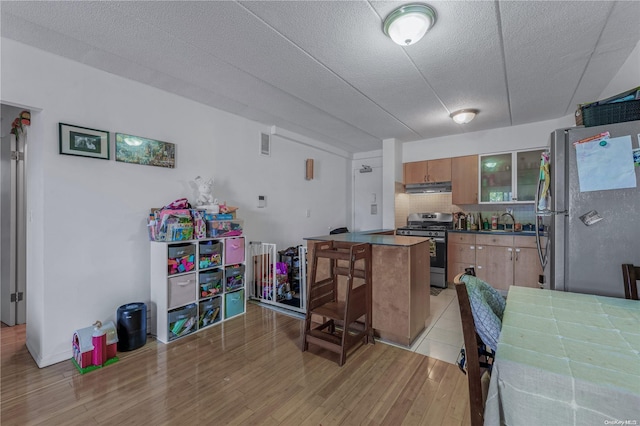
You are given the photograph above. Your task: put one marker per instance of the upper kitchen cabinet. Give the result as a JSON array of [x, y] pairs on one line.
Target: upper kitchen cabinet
[[510, 177], [428, 171], [528, 172], [464, 180]]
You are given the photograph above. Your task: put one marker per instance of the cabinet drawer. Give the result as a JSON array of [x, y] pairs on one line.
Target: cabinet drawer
[[233, 303], [526, 241], [494, 240], [210, 254], [210, 311], [181, 258], [182, 321], [210, 283], [182, 290], [234, 251], [455, 237], [234, 277]]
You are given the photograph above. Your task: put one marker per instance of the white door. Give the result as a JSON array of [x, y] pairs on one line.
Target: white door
[[13, 236], [367, 199]]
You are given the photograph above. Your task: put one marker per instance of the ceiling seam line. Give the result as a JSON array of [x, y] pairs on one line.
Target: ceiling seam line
[[331, 71], [584, 70], [504, 60], [259, 79]]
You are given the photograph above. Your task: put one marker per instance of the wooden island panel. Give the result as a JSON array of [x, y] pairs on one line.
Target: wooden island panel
[[401, 289]]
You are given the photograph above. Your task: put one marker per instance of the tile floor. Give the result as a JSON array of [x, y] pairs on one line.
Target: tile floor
[[442, 338]]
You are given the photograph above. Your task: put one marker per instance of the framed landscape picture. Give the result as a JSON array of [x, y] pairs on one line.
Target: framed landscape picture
[[82, 141], [149, 152]]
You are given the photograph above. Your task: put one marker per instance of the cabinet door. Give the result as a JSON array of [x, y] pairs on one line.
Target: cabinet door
[[528, 170], [494, 264], [439, 170], [415, 172], [496, 184], [527, 267], [459, 257], [464, 180]]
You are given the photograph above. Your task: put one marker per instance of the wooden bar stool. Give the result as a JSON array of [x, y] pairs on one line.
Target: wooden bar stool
[[345, 309]]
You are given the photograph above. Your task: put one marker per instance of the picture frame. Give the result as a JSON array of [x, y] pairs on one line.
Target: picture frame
[[144, 151], [83, 141]]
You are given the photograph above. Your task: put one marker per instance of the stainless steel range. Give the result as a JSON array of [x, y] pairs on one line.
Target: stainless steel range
[[435, 226]]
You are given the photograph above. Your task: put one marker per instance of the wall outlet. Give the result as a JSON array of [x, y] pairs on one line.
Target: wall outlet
[[262, 201], [308, 213]]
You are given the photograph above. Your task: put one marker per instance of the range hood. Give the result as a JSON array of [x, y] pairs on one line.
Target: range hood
[[427, 187]]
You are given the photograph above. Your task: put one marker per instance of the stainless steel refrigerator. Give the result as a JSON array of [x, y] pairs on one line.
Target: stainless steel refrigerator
[[592, 230]]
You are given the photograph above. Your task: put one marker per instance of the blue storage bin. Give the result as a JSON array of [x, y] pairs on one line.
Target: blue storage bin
[[233, 303]]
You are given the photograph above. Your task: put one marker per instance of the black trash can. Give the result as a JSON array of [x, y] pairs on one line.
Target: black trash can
[[132, 326]]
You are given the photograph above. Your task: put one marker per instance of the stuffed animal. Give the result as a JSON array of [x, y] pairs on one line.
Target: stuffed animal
[[205, 191]]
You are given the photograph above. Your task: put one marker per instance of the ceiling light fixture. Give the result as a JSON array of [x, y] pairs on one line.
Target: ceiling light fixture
[[464, 116], [408, 24]]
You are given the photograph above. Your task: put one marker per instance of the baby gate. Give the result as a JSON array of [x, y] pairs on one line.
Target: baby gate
[[273, 281]]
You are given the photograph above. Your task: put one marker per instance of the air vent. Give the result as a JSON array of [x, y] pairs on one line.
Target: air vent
[[265, 144]]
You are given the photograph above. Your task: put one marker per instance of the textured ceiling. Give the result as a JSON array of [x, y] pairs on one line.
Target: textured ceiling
[[325, 70]]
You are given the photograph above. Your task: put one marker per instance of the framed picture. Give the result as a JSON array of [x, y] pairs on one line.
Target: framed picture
[[149, 152], [82, 141]]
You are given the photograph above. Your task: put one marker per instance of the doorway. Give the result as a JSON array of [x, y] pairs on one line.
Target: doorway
[[12, 221], [367, 198]]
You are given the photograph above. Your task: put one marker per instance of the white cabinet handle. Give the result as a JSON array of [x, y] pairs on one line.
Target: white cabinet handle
[[479, 247], [472, 248], [517, 251], [510, 250]]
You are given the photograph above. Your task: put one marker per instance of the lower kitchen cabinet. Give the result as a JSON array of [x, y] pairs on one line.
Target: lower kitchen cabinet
[[494, 260], [500, 260], [461, 253]]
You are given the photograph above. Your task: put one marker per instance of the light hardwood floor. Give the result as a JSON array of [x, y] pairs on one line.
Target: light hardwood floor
[[248, 370]]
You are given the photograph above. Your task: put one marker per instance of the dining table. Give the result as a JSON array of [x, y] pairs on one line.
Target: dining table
[[566, 359]]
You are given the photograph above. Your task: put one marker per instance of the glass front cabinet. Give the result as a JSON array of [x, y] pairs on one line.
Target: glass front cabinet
[[509, 177]]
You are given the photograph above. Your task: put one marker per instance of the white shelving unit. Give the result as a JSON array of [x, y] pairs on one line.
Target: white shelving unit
[[196, 284]]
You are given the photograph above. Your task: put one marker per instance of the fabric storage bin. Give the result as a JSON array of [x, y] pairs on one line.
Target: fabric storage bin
[[182, 290], [234, 251], [210, 282], [181, 258], [234, 277], [210, 254], [183, 321], [233, 303], [210, 311]]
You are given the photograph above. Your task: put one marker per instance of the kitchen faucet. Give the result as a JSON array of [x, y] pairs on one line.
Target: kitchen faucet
[[513, 221]]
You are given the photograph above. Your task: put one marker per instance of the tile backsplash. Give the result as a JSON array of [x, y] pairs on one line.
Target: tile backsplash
[[418, 203]]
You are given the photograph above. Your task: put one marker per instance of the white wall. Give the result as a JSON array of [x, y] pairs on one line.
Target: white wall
[[533, 135], [627, 77], [87, 245]]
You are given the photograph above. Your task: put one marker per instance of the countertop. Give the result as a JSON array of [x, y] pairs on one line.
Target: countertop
[[370, 237], [488, 232]]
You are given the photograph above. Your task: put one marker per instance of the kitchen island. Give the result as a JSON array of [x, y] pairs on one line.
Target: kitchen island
[[400, 282]]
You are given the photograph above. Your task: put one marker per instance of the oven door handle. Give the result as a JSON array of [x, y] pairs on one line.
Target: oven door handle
[[438, 240]]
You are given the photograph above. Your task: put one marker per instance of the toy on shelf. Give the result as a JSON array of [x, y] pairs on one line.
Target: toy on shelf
[[94, 346], [182, 264]]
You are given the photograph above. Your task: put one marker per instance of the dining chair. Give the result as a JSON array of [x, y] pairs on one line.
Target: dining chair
[[478, 359], [630, 276]]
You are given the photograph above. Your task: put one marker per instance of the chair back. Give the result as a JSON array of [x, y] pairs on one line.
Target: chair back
[[630, 276], [471, 343]]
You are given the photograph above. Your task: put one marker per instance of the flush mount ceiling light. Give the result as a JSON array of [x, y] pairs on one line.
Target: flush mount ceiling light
[[408, 24], [464, 116]]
